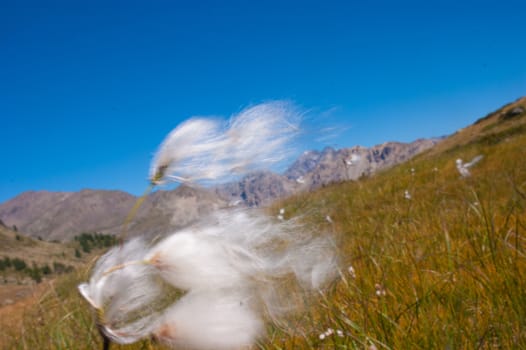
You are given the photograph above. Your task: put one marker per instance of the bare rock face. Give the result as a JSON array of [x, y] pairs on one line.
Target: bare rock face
[[62, 215], [314, 169], [256, 189]]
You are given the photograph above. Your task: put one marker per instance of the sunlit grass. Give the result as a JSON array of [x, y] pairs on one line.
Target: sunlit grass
[[445, 269], [451, 260]]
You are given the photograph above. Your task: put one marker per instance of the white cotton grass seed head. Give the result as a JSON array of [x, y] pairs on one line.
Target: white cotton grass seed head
[[123, 289], [209, 151], [380, 290], [246, 250], [463, 168], [352, 271], [232, 265], [236, 247], [192, 260], [215, 319]]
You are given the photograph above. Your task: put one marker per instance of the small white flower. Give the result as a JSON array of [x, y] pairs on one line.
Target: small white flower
[[280, 217], [463, 168], [282, 211], [322, 336], [329, 220], [355, 158], [380, 291], [339, 333], [351, 271], [407, 195]]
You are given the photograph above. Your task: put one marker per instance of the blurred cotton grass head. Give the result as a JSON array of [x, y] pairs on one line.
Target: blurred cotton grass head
[[235, 248], [463, 168], [124, 291], [208, 150], [231, 266], [218, 319]]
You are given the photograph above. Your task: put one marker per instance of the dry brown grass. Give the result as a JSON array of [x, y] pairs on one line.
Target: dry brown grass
[[443, 270]]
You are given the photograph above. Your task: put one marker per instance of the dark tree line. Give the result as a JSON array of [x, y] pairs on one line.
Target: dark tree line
[[34, 271], [89, 241]]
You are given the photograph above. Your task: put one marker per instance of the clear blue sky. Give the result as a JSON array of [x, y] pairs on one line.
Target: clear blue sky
[[89, 89]]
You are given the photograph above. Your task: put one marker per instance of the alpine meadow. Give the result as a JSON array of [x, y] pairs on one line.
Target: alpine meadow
[[428, 254]]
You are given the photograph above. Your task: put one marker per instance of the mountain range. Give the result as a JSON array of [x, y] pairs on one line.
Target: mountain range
[[455, 242], [61, 215]]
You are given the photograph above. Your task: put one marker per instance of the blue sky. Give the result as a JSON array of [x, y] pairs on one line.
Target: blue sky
[[89, 89]]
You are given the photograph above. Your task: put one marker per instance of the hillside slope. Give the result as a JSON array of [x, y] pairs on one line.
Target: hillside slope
[[428, 259], [62, 215]]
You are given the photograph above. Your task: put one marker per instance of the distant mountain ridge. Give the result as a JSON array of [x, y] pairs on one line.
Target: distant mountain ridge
[[61, 215], [314, 169]]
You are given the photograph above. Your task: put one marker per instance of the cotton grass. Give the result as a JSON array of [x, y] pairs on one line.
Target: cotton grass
[[208, 151], [463, 168], [215, 284], [231, 266]]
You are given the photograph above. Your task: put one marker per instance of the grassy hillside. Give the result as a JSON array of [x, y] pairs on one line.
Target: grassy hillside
[[29, 269], [445, 269], [21, 257], [25, 261]]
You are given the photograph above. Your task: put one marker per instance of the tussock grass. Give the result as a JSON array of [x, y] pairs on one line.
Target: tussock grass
[[443, 270], [451, 260]]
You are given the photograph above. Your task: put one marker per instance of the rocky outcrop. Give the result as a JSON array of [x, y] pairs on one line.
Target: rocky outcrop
[[314, 169]]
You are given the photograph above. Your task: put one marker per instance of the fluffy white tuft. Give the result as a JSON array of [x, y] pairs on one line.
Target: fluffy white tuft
[[238, 267], [210, 150], [210, 320], [245, 250], [463, 168], [124, 290]]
